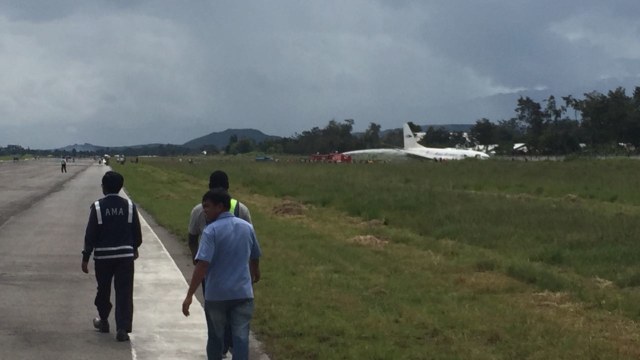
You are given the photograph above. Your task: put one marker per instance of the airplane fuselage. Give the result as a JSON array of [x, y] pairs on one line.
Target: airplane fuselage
[[413, 149]]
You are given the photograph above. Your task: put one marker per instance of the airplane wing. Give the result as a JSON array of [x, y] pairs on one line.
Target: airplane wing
[[421, 153], [376, 153]]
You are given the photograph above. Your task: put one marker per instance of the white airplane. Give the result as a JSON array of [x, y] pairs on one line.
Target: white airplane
[[413, 149]]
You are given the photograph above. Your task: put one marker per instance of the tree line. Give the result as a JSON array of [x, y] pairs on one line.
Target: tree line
[[597, 124]]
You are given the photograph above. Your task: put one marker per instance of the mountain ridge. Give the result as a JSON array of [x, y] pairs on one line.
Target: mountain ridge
[[219, 139]]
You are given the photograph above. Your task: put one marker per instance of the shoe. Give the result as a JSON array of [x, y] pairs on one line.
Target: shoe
[[101, 325], [122, 335]]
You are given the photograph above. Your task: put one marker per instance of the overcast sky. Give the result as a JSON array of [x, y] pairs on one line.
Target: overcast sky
[[127, 72]]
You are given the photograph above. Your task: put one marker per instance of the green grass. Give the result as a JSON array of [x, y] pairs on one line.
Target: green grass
[[483, 260]]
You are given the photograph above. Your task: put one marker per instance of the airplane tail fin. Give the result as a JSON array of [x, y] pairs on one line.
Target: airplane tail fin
[[410, 140]]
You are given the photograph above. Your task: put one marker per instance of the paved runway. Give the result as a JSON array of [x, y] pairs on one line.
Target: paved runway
[[46, 302]]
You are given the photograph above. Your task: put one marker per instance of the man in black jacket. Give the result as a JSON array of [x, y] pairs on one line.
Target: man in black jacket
[[113, 235]]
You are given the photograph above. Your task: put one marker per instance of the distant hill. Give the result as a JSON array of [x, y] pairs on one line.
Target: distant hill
[[81, 148], [97, 148], [218, 139], [221, 139]]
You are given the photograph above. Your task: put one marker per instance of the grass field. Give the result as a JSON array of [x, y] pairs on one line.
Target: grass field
[[421, 260]]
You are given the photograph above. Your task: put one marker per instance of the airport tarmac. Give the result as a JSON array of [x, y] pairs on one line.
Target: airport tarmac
[[46, 302]]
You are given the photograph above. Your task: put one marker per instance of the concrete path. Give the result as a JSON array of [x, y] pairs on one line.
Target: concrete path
[[161, 331], [46, 302]]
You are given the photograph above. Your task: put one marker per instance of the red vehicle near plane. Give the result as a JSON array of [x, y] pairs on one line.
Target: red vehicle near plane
[[330, 158]]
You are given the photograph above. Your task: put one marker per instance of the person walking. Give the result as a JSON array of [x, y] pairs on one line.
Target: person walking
[[197, 220], [197, 223], [228, 262], [114, 235], [63, 165]]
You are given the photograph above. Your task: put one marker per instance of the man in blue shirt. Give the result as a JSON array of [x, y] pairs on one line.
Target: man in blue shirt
[[228, 261], [197, 223]]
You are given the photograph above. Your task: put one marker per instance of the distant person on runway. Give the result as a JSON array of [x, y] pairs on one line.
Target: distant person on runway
[[113, 235], [197, 223], [63, 165], [228, 261]]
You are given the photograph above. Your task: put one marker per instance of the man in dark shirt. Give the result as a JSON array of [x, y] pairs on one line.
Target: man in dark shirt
[[113, 235]]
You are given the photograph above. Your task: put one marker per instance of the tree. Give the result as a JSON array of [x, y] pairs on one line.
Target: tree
[[632, 125], [337, 137], [484, 131], [563, 137], [233, 139], [392, 138], [530, 116], [371, 138], [414, 128], [507, 133], [570, 102], [436, 137], [552, 114], [606, 118], [244, 146], [334, 137]]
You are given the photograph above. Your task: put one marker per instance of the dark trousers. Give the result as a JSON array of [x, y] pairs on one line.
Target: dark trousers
[[121, 271]]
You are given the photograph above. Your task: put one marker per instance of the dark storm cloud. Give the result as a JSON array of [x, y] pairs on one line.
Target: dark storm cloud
[[130, 72]]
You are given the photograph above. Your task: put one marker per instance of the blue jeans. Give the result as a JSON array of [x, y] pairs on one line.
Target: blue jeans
[[238, 314], [227, 330]]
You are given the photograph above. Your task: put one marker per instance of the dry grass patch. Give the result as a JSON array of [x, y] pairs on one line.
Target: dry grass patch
[[555, 299], [600, 326], [571, 197], [602, 283], [364, 223], [375, 223], [289, 208], [487, 282], [369, 241], [252, 199]]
